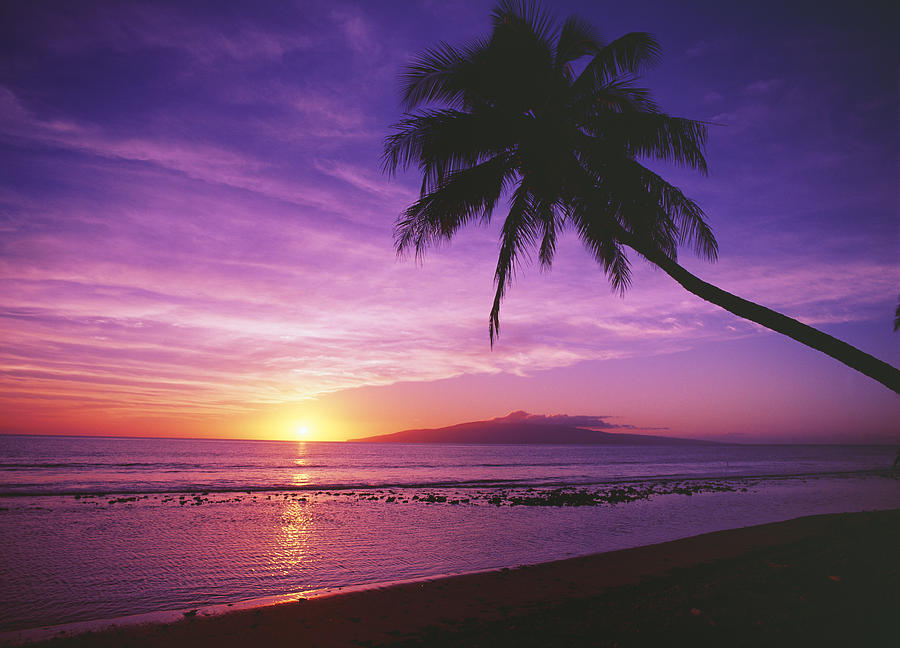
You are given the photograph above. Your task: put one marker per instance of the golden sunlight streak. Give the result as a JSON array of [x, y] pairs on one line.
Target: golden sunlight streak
[[293, 537]]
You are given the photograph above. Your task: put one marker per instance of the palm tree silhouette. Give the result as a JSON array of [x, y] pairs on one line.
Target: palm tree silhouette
[[513, 117]]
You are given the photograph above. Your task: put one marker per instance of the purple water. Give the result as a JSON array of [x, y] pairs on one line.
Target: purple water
[[98, 528]]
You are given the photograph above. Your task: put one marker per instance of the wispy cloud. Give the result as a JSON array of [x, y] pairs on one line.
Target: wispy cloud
[[588, 422], [706, 47], [138, 25], [763, 86], [357, 32]]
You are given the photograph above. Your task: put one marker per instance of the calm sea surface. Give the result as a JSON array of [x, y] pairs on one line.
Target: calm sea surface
[[95, 528]]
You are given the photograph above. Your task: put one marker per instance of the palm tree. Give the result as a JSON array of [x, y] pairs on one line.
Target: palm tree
[[512, 118]]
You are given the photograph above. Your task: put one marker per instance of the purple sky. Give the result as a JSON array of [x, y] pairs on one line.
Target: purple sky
[[195, 236]]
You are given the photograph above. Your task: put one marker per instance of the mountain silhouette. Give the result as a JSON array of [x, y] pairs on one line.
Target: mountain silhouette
[[520, 428]]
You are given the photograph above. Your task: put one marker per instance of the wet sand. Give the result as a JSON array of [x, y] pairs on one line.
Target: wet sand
[[820, 580]]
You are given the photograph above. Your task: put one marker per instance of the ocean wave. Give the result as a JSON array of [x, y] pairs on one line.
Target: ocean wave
[[39, 490], [157, 466], [292, 466]]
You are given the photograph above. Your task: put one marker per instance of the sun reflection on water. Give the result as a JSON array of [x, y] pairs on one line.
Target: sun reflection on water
[[293, 538], [292, 549], [301, 478]]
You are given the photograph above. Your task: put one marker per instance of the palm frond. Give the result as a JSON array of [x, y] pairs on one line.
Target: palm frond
[[525, 14], [655, 135], [577, 38], [641, 214], [440, 142], [465, 195], [652, 210], [672, 139], [596, 227], [630, 55], [618, 96], [517, 73], [657, 213], [518, 234], [550, 226], [440, 74], [685, 214], [615, 264]]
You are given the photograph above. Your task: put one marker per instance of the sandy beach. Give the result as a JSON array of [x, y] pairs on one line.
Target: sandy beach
[[828, 580]]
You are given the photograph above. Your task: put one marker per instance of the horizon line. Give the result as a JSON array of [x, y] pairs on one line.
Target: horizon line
[[359, 440]]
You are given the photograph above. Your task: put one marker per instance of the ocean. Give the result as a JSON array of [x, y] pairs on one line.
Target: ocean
[[99, 528]]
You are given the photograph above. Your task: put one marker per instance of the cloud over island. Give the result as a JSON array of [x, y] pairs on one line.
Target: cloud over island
[[580, 421]]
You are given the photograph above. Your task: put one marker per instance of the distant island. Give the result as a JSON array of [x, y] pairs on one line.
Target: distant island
[[521, 427]]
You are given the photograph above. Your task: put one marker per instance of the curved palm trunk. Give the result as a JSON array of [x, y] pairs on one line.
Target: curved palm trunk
[[886, 374]]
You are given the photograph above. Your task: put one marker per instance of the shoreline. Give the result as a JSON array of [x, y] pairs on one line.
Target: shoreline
[[504, 484], [36, 635], [387, 613]]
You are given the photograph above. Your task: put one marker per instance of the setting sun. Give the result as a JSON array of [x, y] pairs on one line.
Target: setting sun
[[303, 431]]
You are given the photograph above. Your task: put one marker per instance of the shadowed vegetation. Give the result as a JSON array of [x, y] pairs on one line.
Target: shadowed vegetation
[[549, 118]]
